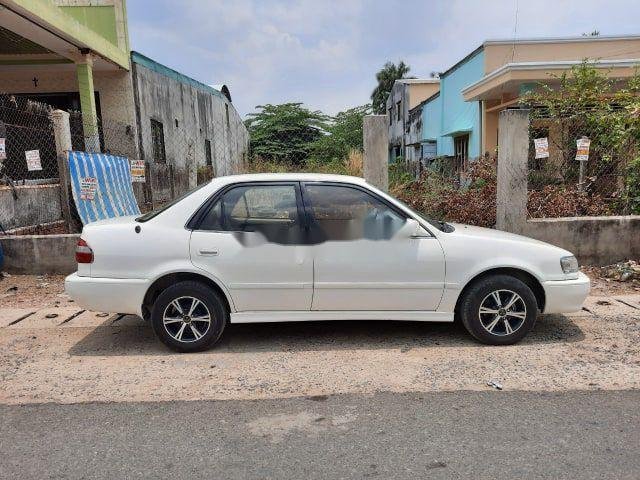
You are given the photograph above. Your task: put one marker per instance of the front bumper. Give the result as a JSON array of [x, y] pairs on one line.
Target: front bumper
[[114, 295], [565, 296]]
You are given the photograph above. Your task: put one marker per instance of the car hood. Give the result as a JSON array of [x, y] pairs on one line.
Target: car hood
[[492, 234]]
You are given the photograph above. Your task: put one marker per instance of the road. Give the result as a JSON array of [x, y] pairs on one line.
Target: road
[[413, 435], [91, 395]]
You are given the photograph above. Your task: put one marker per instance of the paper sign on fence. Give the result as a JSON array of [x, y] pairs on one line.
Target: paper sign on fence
[[542, 147], [137, 170], [88, 187], [33, 160], [582, 152], [3, 151]]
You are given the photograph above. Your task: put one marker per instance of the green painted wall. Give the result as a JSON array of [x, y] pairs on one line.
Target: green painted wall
[[100, 19], [61, 19]]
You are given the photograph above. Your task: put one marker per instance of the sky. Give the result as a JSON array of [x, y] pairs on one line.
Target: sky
[[326, 53]]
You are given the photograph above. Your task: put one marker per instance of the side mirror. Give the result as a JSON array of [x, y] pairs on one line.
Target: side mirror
[[412, 229]]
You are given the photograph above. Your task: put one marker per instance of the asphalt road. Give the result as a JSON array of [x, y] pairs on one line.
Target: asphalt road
[[429, 435]]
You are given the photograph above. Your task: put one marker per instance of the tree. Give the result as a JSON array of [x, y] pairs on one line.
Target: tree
[[344, 134], [386, 77], [285, 133]]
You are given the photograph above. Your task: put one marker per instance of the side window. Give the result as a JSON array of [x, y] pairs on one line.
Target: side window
[[346, 213], [268, 209]]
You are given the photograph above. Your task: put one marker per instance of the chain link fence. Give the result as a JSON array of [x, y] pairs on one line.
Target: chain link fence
[[176, 157], [578, 168], [28, 142], [29, 183]]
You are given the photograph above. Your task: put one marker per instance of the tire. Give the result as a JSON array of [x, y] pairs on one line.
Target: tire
[[496, 324], [188, 331]]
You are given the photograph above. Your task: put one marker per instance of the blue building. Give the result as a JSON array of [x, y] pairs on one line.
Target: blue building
[[452, 123], [461, 120]]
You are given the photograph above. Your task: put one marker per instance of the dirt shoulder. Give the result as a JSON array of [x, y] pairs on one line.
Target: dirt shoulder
[[61, 354], [29, 291]]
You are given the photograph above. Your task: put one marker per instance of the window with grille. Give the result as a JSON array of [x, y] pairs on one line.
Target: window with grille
[[157, 140], [461, 150], [207, 152]]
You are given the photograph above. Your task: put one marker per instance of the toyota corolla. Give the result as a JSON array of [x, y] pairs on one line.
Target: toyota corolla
[[306, 247]]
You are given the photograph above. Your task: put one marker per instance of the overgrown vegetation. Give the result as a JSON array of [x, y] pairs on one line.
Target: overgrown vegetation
[[436, 194], [285, 133], [290, 137], [588, 103]]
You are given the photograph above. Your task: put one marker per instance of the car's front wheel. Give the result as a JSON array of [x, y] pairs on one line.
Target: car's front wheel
[[498, 310], [189, 317]]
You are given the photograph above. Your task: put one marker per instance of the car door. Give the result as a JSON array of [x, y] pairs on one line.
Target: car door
[[251, 240], [362, 258]]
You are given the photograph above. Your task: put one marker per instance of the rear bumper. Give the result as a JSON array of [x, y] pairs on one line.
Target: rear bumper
[[114, 295], [565, 296]]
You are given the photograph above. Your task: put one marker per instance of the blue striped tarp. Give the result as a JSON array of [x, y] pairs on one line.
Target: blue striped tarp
[[112, 195]]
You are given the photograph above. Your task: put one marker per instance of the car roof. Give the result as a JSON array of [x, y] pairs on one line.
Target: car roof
[[287, 177]]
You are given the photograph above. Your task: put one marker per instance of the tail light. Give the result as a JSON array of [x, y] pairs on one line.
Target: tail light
[[84, 254]]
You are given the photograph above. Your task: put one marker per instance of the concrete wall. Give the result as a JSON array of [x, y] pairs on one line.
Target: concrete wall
[[34, 205], [593, 240], [39, 254], [167, 96], [421, 90], [395, 125], [376, 141], [410, 93], [413, 139], [499, 53], [512, 175]]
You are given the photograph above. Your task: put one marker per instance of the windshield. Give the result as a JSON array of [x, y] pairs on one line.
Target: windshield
[[439, 224], [153, 213]]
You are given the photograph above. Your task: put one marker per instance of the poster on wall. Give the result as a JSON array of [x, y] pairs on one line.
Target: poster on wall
[[88, 187], [582, 151], [33, 160], [542, 147], [137, 170]]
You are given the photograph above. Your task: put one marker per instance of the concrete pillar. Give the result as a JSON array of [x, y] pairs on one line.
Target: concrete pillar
[[84, 70], [513, 156], [375, 133], [62, 134]]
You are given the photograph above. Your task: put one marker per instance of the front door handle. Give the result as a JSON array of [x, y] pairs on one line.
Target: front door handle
[[208, 253]]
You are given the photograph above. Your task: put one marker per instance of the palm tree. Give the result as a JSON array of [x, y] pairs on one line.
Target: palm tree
[[386, 77]]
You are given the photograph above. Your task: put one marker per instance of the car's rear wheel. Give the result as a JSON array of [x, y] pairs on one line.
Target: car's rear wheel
[[498, 310], [189, 317]]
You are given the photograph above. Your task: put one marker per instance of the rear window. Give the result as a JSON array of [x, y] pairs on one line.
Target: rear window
[[154, 213]]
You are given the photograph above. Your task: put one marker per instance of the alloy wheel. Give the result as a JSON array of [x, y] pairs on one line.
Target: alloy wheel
[[502, 312], [186, 319]]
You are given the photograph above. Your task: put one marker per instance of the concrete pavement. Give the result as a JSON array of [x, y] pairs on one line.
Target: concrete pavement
[[586, 435]]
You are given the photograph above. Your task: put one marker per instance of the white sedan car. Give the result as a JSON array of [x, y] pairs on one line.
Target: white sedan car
[[304, 247]]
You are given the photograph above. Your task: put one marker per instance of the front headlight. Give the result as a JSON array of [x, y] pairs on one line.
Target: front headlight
[[569, 264]]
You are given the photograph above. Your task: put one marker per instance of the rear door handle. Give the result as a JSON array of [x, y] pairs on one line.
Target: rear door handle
[[208, 253]]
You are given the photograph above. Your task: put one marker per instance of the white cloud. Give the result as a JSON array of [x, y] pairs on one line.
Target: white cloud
[[325, 54]]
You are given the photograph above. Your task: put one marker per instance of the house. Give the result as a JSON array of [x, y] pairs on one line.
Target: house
[[74, 55], [405, 95], [460, 120]]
